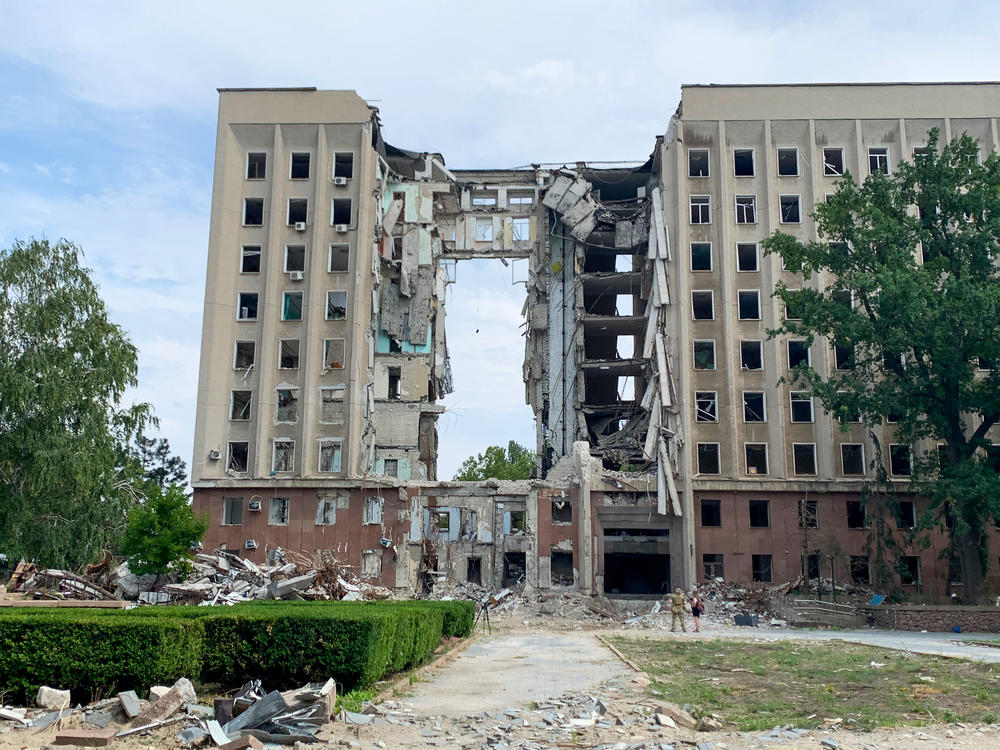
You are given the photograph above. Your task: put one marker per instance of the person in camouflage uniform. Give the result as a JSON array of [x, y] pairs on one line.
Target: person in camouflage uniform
[[677, 603]]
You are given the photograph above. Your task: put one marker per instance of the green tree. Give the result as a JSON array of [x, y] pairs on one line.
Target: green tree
[[496, 463], [158, 465], [64, 368], [161, 531], [908, 293]]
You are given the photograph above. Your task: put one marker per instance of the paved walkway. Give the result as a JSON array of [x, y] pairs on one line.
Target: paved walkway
[[513, 670]]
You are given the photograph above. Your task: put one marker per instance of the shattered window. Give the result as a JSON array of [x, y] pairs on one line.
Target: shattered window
[[284, 456], [751, 355], [833, 162], [878, 160], [245, 352], [704, 355], [343, 164], [520, 230], [326, 511], [698, 162], [232, 511], [804, 458], [743, 162], [250, 259], [789, 209], [701, 209], [341, 211], [340, 257], [798, 353], [562, 512], [761, 565], [708, 458], [300, 166], [239, 453], [333, 354], [702, 305], [336, 305], [371, 563], [900, 460], [330, 400], [788, 162], [288, 354], [394, 375], [484, 230], [484, 198], [753, 406], [516, 521], [390, 467], [373, 511], [247, 306], [240, 406], [256, 165], [441, 520], [756, 454], [277, 512], [746, 256], [701, 256], [253, 212], [706, 406], [801, 406], [748, 303], [857, 516], [713, 567], [288, 405], [329, 456], [746, 209], [909, 573], [291, 308], [297, 209], [295, 258], [808, 514], [520, 199]]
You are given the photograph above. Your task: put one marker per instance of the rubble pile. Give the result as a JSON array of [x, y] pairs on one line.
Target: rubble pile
[[219, 578], [724, 601], [280, 717], [568, 605]]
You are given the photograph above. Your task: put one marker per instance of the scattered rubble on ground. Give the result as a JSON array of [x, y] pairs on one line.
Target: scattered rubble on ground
[[219, 578]]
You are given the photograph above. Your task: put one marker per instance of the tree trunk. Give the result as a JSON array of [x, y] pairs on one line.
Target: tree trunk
[[968, 547]]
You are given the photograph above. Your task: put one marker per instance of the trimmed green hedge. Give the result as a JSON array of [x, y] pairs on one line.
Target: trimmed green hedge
[[284, 643]]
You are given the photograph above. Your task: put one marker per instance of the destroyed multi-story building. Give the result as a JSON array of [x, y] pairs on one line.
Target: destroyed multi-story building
[[669, 447]]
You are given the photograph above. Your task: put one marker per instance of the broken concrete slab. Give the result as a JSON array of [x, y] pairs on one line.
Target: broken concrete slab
[[186, 689], [100, 718], [85, 737], [168, 704], [158, 691], [665, 721], [52, 698], [678, 714], [191, 735], [130, 703], [244, 743]]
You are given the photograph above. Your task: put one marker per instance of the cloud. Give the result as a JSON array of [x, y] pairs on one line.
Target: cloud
[[543, 77]]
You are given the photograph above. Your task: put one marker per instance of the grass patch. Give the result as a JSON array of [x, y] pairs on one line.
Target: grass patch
[[756, 686], [354, 700]]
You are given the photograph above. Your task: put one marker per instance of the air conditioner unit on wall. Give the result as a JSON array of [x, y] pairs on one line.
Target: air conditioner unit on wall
[[254, 505], [340, 181], [214, 455], [341, 228], [250, 544], [296, 275], [300, 226]]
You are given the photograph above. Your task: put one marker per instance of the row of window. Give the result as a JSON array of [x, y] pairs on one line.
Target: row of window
[[787, 161], [338, 259], [761, 568], [299, 165], [279, 511], [247, 305], [283, 456], [287, 403], [852, 459], [751, 353], [298, 208], [759, 513], [748, 305], [789, 209], [706, 406]]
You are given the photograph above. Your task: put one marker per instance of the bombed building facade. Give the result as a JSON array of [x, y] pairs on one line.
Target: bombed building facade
[[668, 447]]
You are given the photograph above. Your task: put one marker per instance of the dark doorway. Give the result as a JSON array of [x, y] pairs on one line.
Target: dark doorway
[[562, 568], [474, 570], [636, 573], [514, 565]]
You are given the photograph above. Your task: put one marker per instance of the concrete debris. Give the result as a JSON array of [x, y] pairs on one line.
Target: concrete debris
[[51, 698]]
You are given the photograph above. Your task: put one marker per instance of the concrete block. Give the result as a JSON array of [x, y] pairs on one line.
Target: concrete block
[[157, 691], [169, 703], [678, 714], [186, 689], [244, 743], [85, 737], [665, 721], [130, 703], [51, 698]]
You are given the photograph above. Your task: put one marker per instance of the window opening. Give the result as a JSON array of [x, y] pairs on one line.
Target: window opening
[[391, 467], [708, 458], [751, 355], [790, 213], [704, 355], [561, 568], [698, 162], [343, 164], [329, 455], [333, 354], [706, 406], [702, 305], [760, 514], [909, 574], [291, 309], [395, 374], [330, 400], [520, 230], [288, 357], [857, 515], [300, 166], [253, 212], [746, 256], [288, 405], [474, 570], [245, 353], [878, 160], [240, 406], [484, 230], [798, 353], [341, 213], [860, 570], [754, 406], [746, 209], [336, 305], [295, 258], [277, 514], [326, 511], [833, 162], [340, 257], [232, 511], [748, 303], [239, 454], [711, 512], [804, 458], [761, 568], [250, 259], [256, 165], [701, 256], [562, 512], [713, 567], [808, 514], [297, 209], [756, 454], [788, 162], [284, 456], [373, 511], [743, 162], [907, 517], [802, 406], [900, 461], [843, 355], [701, 209], [852, 458]]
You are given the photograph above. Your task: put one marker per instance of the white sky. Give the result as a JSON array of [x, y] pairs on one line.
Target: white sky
[[108, 115]]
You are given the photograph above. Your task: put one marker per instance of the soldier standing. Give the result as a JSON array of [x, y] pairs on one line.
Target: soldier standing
[[677, 604]]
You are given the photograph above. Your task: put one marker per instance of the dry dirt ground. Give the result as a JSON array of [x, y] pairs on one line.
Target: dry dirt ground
[[540, 683]]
